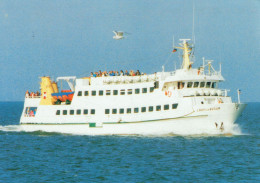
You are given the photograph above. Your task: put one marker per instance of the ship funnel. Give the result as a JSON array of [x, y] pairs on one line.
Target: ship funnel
[[46, 91]]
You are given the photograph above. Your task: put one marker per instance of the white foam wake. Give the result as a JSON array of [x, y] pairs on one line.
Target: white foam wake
[[74, 130], [11, 128]]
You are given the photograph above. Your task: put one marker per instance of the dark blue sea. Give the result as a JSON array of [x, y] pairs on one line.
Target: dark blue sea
[[52, 157]]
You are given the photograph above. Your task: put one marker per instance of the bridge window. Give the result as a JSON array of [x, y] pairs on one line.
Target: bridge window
[[71, 112], [189, 85], [101, 92], [156, 84], [85, 111], [137, 91], [86, 93], [208, 84], [122, 92], [78, 112], [144, 90], [174, 106], [136, 110], [213, 85], [93, 93], [92, 111], [202, 84], [143, 109], [196, 84], [121, 111], [58, 112], [181, 85], [150, 108], [158, 108], [79, 93], [115, 92], [129, 91], [128, 110], [166, 107], [107, 111], [64, 112]]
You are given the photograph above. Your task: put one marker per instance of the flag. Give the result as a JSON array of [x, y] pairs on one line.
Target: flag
[[174, 50]]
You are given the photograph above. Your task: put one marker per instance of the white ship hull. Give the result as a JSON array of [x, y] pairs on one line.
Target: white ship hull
[[194, 124]]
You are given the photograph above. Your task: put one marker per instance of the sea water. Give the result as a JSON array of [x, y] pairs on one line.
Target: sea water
[[56, 157]]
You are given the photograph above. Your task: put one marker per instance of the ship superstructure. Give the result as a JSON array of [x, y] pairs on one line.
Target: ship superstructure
[[162, 102]]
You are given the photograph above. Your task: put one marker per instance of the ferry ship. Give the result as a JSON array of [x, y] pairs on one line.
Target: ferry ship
[[187, 99]]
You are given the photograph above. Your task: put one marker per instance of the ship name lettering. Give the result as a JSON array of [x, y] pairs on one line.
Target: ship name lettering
[[209, 109]]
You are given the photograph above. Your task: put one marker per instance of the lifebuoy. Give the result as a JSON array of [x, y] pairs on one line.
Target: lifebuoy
[[220, 101], [168, 93]]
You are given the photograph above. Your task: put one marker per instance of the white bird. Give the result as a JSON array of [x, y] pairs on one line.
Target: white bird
[[118, 35]]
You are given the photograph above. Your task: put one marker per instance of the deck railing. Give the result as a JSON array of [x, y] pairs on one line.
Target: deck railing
[[32, 97]]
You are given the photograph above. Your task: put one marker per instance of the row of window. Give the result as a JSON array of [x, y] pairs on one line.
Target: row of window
[[116, 92], [114, 111], [201, 84], [143, 109], [77, 112]]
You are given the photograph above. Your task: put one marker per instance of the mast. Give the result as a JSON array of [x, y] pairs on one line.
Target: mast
[[186, 63]]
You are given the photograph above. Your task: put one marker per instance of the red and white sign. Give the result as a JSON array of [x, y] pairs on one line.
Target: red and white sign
[[44, 95]]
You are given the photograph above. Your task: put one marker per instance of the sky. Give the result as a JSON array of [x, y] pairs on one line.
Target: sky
[[73, 38]]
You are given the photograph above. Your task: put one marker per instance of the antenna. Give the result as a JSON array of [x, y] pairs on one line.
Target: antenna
[[193, 25], [203, 59], [209, 64], [173, 45]]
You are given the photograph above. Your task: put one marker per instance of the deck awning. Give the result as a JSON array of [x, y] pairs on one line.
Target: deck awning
[[66, 78]]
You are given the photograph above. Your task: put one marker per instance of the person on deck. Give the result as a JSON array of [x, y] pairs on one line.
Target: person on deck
[[126, 73], [137, 73], [31, 114], [27, 94], [99, 73], [121, 73]]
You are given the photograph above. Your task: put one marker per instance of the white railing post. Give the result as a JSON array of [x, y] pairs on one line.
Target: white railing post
[[238, 95]]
